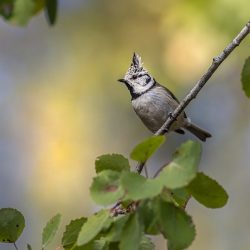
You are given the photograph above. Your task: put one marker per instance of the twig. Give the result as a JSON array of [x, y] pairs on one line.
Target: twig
[[140, 166], [200, 84], [146, 171], [15, 245], [160, 169], [119, 210]]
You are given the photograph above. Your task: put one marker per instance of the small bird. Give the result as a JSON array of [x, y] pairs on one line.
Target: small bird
[[154, 103]]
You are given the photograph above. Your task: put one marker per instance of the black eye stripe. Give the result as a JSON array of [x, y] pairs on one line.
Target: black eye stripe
[[140, 75], [148, 80], [144, 74]]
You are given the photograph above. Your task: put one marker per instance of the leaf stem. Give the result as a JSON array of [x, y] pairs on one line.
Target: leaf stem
[[160, 169]]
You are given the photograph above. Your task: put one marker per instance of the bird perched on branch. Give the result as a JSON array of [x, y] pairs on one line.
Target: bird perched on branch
[[154, 103]]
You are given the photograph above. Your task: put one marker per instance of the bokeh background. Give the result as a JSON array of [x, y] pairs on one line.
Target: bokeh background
[[61, 106]]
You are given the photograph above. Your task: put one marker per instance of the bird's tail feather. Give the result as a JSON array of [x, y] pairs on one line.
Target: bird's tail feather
[[198, 132]]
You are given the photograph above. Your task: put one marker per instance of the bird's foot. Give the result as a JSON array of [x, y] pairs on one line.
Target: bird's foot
[[170, 115]]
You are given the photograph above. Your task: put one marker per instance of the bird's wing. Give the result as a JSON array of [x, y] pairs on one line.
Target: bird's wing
[[171, 94]]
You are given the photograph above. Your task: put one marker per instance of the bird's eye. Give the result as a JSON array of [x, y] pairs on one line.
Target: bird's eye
[[148, 79]]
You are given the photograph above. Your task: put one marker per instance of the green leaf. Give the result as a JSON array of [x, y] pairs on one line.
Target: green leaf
[[146, 244], [95, 244], [93, 227], [182, 169], [180, 196], [132, 233], [115, 231], [245, 77], [23, 11], [39, 5], [207, 191], [100, 244], [138, 187], [29, 247], [6, 8], [50, 229], [114, 162], [71, 233], [114, 246], [88, 246], [146, 148], [106, 188], [20, 11], [176, 226], [12, 224], [51, 11], [147, 216]]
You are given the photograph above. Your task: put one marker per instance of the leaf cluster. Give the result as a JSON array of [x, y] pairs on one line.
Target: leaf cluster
[[144, 206], [149, 206]]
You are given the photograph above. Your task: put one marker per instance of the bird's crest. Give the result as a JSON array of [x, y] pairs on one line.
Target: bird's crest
[[136, 66]]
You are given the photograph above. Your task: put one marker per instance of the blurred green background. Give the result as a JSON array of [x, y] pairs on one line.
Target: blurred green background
[[61, 106]]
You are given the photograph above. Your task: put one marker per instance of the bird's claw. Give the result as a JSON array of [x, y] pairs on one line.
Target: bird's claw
[[170, 115]]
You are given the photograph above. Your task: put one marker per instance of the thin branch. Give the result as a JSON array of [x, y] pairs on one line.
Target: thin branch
[[200, 84], [146, 171], [15, 245]]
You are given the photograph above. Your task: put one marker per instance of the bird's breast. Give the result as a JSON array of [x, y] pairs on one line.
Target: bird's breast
[[153, 108]]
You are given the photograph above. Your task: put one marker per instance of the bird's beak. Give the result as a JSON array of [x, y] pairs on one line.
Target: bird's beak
[[122, 80]]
